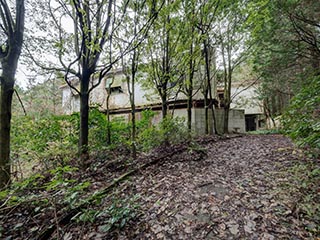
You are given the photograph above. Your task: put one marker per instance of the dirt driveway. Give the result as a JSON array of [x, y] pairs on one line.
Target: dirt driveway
[[235, 192]]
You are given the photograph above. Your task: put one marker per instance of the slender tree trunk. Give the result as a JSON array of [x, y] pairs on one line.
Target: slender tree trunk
[[133, 119], [134, 69], [131, 89], [212, 108], [226, 119], [9, 56], [190, 87], [133, 136], [268, 114], [164, 103], [189, 112], [206, 113], [166, 67], [5, 126], [227, 102], [208, 91], [108, 118], [84, 119], [226, 90]]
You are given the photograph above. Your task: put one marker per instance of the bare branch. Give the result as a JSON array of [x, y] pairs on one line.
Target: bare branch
[[7, 17], [21, 103], [58, 25]]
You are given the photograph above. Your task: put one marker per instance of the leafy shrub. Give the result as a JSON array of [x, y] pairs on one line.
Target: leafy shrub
[[115, 216], [305, 187], [53, 140], [148, 138], [58, 183], [97, 129], [49, 141], [169, 130], [302, 120], [120, 131], [174, 130]]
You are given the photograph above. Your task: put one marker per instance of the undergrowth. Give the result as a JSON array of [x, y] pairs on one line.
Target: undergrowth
[[302, 119], [57, 184], [265, 132], [52, 141], [304, 185]]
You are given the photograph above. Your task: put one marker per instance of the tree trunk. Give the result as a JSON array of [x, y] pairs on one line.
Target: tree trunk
[[227, 101], [84, 119], [133, 121], [226, 119], [190, 87], [108, 118], [5, 126], [9, 55], [132, 102], [189, 111], [208, 90], [164, 103], [206, 113]]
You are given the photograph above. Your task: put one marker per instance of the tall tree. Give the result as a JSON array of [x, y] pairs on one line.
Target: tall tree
[[11, 33], [191, 45], [163, 57], [207, 15], [130, 64], [83, 51], [234, 49], [287, 49]]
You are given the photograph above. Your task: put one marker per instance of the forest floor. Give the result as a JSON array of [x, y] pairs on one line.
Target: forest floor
[[240, 187]]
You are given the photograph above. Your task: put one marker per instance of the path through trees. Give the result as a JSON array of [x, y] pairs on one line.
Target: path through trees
[[230, 188]]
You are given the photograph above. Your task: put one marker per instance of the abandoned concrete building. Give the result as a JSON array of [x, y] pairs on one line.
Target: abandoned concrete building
[[246, 113]]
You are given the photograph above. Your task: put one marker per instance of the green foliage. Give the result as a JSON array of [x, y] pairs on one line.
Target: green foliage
[[146, 119], [302, 119], [49, 141], [52, 140], [119, 213], [149, 138], [265, 131], [15, 194], [120, 131], [170, 130], [57, 181], [116, 216], [174, 130], [97, 129], [307, 177]]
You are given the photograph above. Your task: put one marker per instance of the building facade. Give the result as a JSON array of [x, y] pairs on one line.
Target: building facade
[[245, 113]]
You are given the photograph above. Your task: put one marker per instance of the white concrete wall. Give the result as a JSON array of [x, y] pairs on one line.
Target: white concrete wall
[[236, 119], [247, 99], [117, 100]]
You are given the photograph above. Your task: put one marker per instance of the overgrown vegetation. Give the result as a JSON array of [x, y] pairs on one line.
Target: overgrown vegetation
[[181, 43], [302, 119], [304, 185], [59, 183], [51, 141]]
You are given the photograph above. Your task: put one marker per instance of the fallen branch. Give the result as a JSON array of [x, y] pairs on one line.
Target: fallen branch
[[64, 220]]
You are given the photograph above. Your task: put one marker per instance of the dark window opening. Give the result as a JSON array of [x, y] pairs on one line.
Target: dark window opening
[[221, 99], [117, 89], [250, 123]]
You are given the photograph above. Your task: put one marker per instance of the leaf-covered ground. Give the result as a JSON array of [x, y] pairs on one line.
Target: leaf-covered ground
[[230, 188]]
